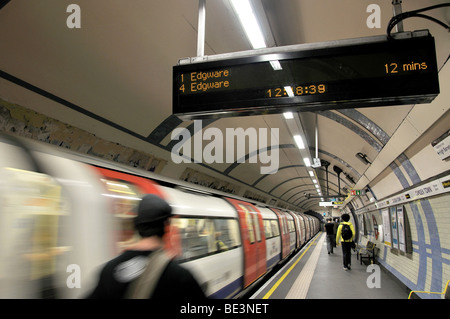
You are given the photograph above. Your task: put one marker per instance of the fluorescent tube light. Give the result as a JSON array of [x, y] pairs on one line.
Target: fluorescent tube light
[[299, 141], [311, 173], [122, 197], [307, 161], [289, 91], [288, 115], [249, 22], [276, 65]]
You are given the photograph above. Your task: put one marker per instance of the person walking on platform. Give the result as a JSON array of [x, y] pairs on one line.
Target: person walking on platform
[[329, 227], [336, 225], [144, 271], [346, 233]]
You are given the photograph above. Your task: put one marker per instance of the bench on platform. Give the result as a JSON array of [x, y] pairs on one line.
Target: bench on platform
[[368, 252]]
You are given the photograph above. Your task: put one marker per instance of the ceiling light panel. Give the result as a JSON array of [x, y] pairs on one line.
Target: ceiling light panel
[[307, 162], [299, 141], [249, 22]]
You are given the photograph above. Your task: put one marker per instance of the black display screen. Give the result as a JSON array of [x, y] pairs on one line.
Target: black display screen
[[351, 76]]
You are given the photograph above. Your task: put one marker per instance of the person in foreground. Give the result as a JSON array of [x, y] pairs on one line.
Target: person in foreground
[[144, 271], [346, 233]]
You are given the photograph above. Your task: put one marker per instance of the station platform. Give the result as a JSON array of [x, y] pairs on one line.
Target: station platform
[[314, 274]]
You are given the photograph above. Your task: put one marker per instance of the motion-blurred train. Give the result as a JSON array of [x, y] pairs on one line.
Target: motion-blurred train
[[63, 215]]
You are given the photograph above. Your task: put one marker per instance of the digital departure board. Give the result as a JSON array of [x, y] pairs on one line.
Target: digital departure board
[[346, 74]]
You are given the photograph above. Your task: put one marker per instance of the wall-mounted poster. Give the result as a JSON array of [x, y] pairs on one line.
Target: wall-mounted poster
[[375, 226], [401, 229], [362, 228], [394, 225], [368, 224], [386, 227]]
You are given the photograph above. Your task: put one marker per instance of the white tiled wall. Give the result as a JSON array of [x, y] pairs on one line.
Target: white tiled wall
[[427, 268]]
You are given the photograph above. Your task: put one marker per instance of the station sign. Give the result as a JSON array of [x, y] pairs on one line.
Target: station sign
[[357, 192], [332, 203], [325, 204], [442, 145], [354, 73], [338, 203]]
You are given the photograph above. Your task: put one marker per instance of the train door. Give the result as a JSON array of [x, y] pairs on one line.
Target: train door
[[311, 223], [307, 227], [284, 231], [311, 227], [297, 229], [291, 231], [303, 222], [253, 240], [316, 225]]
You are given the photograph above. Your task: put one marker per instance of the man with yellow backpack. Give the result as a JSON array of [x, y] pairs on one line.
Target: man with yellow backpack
[[346, 233]]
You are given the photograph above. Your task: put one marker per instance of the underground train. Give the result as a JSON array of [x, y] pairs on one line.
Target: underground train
[[63, 215]]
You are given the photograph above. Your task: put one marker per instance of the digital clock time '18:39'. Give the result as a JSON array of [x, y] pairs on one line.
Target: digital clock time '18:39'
[[291, 91]]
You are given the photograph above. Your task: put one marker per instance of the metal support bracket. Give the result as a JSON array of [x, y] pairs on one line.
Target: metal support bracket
[[201, 28], [396, 10]]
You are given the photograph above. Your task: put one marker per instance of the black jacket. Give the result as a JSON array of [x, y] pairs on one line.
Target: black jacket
[[175, 283]]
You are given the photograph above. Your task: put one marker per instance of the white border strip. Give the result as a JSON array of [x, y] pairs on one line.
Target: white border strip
[[436, 187]]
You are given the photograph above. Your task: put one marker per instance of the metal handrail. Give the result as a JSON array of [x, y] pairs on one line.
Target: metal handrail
[[431, 292]]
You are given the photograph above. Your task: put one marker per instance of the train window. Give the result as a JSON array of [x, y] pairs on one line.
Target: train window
[[201, 237], [291, 226], [284, 226], [125, 197], [271, 228], [275, 228], [226, 232], [267, 229], [256, 224], [251, 227]]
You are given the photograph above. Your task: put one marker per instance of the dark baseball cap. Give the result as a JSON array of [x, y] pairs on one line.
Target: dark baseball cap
[[152, 209]]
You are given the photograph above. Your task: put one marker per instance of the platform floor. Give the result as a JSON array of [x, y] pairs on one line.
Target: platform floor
[[315, 274]]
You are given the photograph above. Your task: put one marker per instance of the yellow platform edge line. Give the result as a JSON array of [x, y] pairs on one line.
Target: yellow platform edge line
[[272, 290]]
